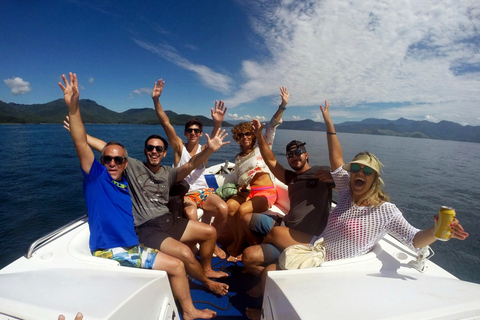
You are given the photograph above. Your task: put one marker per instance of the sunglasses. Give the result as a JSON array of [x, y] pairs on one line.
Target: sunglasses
[[244, 134], [197, 131], [151, 148], [355, 168], [296, 152], [108, 159]]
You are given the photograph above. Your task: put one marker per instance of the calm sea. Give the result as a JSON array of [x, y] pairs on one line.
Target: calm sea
[[41, 183]]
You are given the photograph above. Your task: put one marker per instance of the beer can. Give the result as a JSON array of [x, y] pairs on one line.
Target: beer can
[[445, 219]]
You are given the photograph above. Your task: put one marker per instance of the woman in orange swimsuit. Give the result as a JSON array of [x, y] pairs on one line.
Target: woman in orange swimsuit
[[256, 189]]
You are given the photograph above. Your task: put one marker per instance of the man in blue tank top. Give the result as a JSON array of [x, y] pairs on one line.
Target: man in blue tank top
[[109, 205]]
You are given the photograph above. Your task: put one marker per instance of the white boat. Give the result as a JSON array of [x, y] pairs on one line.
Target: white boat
[[59, 275]]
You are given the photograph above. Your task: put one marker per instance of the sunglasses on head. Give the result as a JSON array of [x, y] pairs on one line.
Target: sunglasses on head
[[296, 152], [244, 134], [191, 130], [151, 148], [108, 159], [355, 167]]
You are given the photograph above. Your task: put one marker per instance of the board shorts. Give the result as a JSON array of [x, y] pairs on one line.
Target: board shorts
[[134, 257], [153, 232], [199, 196], [268, 192], [261, 224]]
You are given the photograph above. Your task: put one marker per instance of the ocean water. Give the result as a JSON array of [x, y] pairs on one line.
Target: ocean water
[[41, 182]]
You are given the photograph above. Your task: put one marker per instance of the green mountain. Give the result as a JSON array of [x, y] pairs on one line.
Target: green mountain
[[55, 112]]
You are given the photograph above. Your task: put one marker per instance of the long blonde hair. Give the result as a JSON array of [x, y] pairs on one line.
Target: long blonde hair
[[375, 196]]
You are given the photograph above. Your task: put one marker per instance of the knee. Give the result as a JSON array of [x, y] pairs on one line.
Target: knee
[[222, 209], [185, 254], [252, 256]]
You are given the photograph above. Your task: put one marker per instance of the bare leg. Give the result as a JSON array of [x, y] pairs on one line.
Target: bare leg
[[190, 209], [180, 286], [283, 237], [256, 204], [256, 314], [233, 204], [181, 251], [206, 236], [216, 205]]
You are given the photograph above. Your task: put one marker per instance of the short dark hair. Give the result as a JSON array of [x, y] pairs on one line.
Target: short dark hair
[[156, 136], [193, 121]]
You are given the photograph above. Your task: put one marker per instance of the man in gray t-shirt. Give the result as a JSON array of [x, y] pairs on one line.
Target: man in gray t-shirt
[[310, 194]]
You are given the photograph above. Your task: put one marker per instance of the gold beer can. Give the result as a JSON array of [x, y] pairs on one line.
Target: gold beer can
[[445, 219]]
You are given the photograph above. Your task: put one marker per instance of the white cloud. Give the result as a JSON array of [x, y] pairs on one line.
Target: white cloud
[[17, 85], [140, 92], [247, 117], [424, 53], [210, 78], [91, 80]]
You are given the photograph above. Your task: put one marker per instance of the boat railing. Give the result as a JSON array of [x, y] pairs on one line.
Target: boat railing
[[47, 238]]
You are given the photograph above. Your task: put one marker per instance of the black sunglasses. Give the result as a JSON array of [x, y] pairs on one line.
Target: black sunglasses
[[296, 152], [191, 130], [151, 148], [108, 159], [244, 134], [355, 167]]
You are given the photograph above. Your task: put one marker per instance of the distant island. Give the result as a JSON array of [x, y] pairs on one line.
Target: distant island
[[55, 111]]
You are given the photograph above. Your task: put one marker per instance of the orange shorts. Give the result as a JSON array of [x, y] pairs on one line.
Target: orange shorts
[[199, 196], [268, 192]]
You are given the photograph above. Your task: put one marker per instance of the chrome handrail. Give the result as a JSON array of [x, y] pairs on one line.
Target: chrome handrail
[[40, 242]]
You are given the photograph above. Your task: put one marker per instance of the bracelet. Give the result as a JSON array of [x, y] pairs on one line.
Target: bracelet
[[332, 133], [282, 108]]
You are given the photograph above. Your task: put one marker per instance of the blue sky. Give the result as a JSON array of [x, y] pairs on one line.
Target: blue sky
[[371, 59]]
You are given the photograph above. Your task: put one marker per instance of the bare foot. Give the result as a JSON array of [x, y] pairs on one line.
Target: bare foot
[[219, 252], [217, 287], [254, 314], [213, 274], [199, 314], [256, 291], [235, 258]]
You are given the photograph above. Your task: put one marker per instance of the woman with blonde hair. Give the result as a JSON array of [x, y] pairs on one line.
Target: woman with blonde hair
[[256, 191]]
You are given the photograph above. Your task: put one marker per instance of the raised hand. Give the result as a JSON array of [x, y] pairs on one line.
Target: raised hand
[[257, 127], [70, 90], [217, 142], [326, 113], [157, 89], [219, 113], [284, 95]]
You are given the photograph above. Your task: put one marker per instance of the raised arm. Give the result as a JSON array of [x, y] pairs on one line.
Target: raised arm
[[334, 148], [277, 117], [213, 145], [94, 143], [218, 115], [77, 129], [174, 140], [275, 167]]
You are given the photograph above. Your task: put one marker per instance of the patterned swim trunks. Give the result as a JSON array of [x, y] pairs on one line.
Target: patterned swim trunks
[[135, 257], [199, 196]]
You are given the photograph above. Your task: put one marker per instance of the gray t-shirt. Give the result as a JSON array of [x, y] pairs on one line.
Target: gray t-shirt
[[310, 201], [149, 190]]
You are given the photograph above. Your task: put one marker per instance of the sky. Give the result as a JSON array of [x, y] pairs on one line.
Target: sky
[[387, 59]]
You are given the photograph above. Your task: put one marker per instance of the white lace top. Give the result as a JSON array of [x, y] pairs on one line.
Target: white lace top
[[352, 230]]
